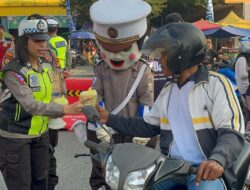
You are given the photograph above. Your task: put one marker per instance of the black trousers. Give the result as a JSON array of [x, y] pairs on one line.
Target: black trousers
[[24, 163], [96, 179], [53, 178]]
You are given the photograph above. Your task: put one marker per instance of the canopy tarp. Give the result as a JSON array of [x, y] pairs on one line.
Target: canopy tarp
[[82, 35], [233, 19], [205, 25], [227, 31]]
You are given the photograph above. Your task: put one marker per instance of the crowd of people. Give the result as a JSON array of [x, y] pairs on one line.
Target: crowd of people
[[195, 111]]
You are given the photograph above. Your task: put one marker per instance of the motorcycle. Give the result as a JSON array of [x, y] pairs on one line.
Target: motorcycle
[[77, 58], [130, 166]]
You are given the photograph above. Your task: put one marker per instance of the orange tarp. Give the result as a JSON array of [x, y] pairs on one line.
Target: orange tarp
[[28, 7], [237, 1], [29, 3], [234, 20], [205, 25]]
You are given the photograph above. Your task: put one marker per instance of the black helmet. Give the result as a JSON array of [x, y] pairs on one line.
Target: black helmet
[[173, 17], [184, 43]]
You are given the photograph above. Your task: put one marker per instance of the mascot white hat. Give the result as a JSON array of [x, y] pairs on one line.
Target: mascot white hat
[[118, 25]]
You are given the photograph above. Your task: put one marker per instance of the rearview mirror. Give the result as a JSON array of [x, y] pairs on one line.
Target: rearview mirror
[[80, 130]]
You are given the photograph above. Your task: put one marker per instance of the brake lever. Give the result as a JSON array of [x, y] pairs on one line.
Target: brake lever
[[83, 154]]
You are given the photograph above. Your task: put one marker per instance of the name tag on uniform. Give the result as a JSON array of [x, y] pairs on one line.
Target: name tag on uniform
[[60, 44], [34, 82]]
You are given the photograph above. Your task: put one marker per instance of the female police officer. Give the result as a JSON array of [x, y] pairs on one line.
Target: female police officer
[[24, 140]]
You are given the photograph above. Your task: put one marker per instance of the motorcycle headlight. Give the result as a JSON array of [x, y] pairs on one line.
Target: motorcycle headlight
[[112, 174], [136, 180]]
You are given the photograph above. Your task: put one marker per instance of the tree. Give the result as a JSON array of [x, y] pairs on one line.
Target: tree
[[192, 10], [82, 7], [157, 7]]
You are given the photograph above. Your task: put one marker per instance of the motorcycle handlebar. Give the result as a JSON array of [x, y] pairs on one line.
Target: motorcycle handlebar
[[91, 145], [101, 147]]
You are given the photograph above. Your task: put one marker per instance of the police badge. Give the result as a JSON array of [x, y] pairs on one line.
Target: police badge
[[41, 26], [34, 82]]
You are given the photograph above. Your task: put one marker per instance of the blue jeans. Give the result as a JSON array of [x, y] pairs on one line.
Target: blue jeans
[[217, 184]]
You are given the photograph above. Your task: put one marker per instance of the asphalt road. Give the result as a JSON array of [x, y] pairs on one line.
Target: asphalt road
[[82, 71], [73, 172]]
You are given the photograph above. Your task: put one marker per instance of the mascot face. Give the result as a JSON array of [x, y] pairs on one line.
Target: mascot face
[[121, 60]]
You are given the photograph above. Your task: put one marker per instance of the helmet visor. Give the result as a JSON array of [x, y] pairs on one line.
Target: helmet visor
[[160, 41], [39, 36], [153, 53]]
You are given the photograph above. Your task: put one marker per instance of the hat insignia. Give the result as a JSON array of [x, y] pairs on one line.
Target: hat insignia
[[112, 32], [41, 26]]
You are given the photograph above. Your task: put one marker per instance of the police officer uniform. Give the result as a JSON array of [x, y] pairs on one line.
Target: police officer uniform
[[59, 45], [60, 49], [120, 33], [24, 140]]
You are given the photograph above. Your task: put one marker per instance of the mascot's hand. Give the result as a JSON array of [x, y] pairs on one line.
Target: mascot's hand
[[102, 135], [139, 140]]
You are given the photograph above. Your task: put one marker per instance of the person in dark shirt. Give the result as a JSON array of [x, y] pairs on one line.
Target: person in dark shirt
[[211, 54]]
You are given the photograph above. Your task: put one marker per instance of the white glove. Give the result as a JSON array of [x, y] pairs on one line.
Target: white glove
[[140, 140], [102, 135]]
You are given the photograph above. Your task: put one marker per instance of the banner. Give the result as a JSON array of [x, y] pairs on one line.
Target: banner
[[210, 11]]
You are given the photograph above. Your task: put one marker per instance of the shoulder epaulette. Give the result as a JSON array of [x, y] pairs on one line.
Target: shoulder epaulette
[[15, 66], [144, 61]]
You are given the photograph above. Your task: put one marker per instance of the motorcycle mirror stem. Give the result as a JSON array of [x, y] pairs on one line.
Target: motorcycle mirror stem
[[94, 117]]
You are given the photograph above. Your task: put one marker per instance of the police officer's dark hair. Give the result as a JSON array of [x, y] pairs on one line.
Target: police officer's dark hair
[[35, 16], [21, 49], [52, 29]]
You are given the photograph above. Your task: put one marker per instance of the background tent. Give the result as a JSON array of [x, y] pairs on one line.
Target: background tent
[[234, 20], [82, 35], [227, 31], [206, 25]]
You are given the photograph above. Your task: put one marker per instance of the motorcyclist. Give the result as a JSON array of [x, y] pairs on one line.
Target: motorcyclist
[[197, 113]]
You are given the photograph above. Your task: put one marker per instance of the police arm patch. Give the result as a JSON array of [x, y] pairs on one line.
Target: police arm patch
[[19, 78]]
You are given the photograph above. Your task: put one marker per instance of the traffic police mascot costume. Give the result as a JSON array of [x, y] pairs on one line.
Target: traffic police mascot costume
[[122, 77]]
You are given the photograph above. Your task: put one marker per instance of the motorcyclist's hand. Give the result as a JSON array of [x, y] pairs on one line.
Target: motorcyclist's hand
[[102, 135], [104, 114], [140, 140], [209, 170], [75, 108]]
